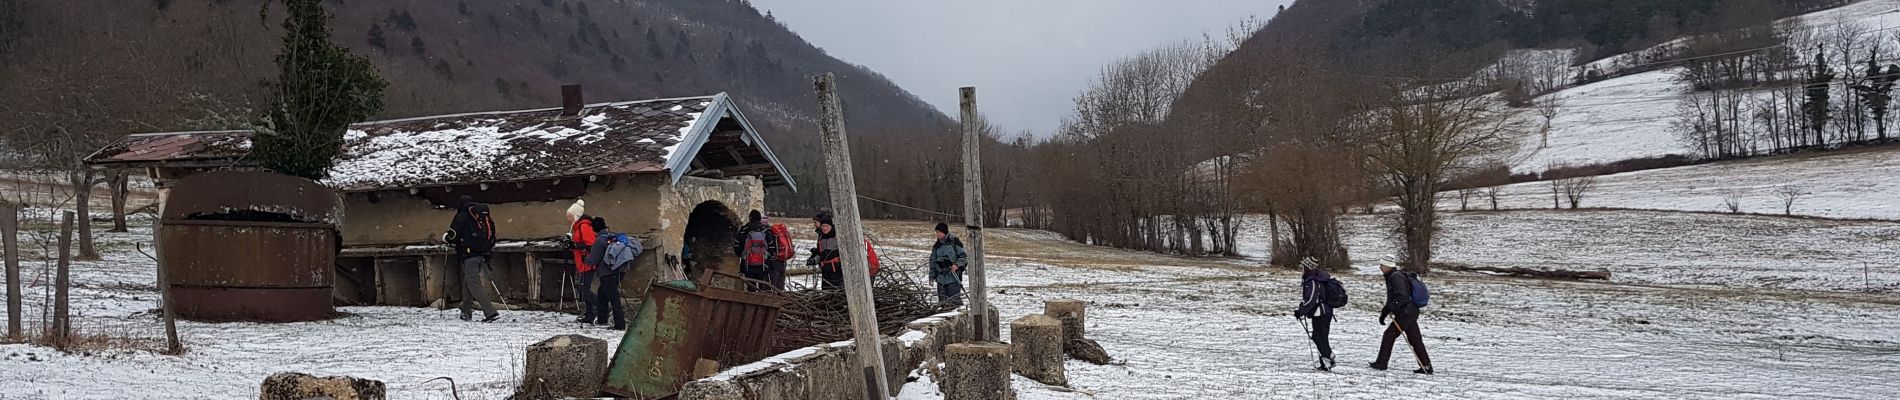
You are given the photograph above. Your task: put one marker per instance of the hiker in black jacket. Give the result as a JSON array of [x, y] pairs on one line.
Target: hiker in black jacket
[[1399, 305], [1313, 306], [472, 234]]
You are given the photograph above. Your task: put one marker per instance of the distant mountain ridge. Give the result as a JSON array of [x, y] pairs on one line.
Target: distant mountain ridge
[[157, 65]]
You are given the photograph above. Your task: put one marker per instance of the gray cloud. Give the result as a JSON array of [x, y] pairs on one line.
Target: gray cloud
[[1027, 58]]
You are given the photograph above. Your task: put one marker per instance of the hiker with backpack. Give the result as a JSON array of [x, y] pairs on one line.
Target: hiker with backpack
[[756, 247], [1404, 295], [580, 238], [947, 261], [825, 257], [612, 255], [775, 267], [472, 234], [1320, 295]]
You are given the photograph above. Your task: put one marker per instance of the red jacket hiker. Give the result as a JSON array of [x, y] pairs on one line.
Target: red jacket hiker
[[583, 237]]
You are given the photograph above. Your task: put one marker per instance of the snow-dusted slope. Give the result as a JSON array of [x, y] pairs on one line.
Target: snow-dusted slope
[[1631, 116], [1860, 184]]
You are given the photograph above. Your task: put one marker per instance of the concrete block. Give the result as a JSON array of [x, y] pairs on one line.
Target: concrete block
[[298, 386], [564, 366], [977, 371], [1036, 349], [1072, 314]]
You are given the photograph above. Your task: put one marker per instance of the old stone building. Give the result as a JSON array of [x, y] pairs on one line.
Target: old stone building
[[674, 172]]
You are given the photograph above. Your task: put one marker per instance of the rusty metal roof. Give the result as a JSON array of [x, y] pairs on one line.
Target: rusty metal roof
[[608, 138], [175, 147]]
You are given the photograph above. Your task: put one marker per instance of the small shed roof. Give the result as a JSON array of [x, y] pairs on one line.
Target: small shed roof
[[678, 136]]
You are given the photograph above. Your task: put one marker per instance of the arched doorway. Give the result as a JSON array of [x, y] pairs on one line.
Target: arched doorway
[[710, 234]]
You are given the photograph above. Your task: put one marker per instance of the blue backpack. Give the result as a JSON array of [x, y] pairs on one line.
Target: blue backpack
[[1421, 295], [621, 251]]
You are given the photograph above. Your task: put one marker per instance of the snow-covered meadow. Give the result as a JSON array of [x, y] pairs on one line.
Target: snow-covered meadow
[[1186, 328]]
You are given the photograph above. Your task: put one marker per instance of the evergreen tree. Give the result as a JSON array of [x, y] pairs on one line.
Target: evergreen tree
[[376, 38], [320, 90], [653, 46], [1876, 92], [1820, 76]]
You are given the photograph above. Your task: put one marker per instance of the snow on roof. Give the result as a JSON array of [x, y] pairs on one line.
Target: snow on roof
[[607, 138]]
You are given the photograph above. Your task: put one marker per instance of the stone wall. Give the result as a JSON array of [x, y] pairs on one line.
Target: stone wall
[[830, 371]]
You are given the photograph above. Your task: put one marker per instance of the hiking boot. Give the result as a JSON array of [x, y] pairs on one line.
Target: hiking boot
[[1376, 366], [466, 317], [492, 318], [1426, 370], [586, 319], [1326, 363]]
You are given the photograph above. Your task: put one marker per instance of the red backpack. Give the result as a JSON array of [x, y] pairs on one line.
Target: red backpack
[[785, 250], [755, 248], [870, 256]]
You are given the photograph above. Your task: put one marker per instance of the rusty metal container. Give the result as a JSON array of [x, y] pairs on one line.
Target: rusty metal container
[[675, 327], [249, 246]]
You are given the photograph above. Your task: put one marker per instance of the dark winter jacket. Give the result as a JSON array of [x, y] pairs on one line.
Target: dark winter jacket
[[470, 233], [771, 241], [825, 256], [1312, 302], [944, 255], [597, 253], [1398, 295]]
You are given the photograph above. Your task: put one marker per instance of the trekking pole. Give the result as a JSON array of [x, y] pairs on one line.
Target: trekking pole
[[1309, 337]]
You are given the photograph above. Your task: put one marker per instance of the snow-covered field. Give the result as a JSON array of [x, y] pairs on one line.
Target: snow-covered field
[[1192, 329], [1857, 184], [402, 346], [1630, 116], [1651, 247], [1189, 328]]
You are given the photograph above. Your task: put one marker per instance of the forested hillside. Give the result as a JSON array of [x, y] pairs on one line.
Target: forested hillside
[[91, 71]]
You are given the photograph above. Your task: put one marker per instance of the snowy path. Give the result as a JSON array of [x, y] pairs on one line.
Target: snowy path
[[1187, 328]]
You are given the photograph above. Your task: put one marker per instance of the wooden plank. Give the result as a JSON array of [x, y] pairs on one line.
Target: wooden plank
[[533, 264]]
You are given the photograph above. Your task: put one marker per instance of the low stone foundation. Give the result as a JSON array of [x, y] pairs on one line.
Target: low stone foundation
[[830, 371]]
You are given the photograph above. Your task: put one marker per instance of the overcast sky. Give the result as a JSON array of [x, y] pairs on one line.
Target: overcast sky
[[1027, 58]]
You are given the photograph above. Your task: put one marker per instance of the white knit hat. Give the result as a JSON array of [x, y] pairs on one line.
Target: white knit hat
[[1387, 262], [579, 207]]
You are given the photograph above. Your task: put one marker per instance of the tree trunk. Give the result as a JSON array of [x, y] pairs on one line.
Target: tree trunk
[[120, 186], [82, 200]]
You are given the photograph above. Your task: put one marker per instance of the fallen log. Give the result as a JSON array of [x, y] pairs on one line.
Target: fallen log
[[1530, 273]]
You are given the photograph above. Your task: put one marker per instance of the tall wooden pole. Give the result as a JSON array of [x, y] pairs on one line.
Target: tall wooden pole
[[844, 206], [170, 314], [10, 243], [62, 283], [973, 215]]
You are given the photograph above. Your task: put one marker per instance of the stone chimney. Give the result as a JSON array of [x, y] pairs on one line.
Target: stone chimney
[[571, 102]]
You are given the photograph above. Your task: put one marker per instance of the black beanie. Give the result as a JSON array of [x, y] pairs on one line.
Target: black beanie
[[823, 218], [755, 217], [943, 227]]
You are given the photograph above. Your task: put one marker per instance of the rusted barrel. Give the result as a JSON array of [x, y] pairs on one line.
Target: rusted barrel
[[249, 246]]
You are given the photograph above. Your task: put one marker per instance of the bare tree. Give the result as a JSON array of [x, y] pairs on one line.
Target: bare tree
[[1788, 196], [1732, 200], [1492, 193], [1575, 188], [1464, 198], [1556, 193], [1419, 140], [1547, 107]]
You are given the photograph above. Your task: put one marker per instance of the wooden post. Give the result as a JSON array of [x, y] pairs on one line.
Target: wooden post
[[533, 264], [172, 345], [10, 243], [844, 205], [62, 282], [973, 216]]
